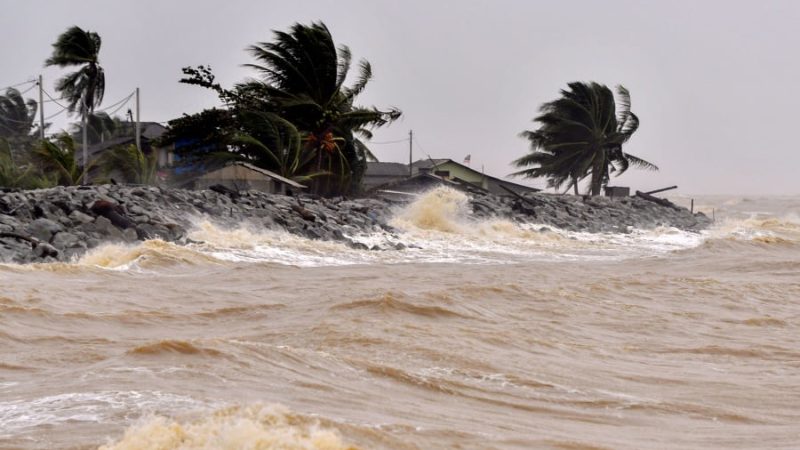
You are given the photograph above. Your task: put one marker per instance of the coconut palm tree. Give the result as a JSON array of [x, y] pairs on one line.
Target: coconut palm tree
[[101, 127], [84, 88], [56, 159], [278, 146], [15, 175], [17, 117], [303, 81], [581, 134], [134, 166]]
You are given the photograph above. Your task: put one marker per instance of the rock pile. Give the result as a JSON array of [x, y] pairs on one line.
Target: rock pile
[[62, 223]]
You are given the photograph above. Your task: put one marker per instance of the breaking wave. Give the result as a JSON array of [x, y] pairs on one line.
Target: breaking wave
[[438, 227], [267, 427]]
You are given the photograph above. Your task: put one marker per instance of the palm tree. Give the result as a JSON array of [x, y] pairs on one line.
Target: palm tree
[[303, 81], [57, 160], [278, 147], [581, 134], [17, 117], [135, 166], [101, 126], [14, 175], [84, 88]]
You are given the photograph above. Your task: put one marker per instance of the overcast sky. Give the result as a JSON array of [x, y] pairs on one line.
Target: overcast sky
[[716, 84]]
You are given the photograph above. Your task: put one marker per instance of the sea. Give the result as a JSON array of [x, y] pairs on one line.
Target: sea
[[479, 334]]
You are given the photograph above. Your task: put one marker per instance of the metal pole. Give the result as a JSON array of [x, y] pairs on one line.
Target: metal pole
[[410, 153], [85, 143], [138, 124], [41, 109]]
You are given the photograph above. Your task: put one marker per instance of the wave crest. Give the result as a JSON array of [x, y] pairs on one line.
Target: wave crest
[[232, 428]]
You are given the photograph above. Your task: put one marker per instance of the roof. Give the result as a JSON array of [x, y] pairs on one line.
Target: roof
[[267, 173], [96, 149], [428, 163], [386, 169]]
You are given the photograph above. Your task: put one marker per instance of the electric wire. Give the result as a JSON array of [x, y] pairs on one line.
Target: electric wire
[[121, 103], [388, 142], [18, 84], [54, 100]]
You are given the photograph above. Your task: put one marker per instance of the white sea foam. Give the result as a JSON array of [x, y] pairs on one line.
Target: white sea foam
[[19, 415], [437, 227]]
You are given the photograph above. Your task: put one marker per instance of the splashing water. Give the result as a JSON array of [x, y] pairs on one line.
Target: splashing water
[[253, 427]]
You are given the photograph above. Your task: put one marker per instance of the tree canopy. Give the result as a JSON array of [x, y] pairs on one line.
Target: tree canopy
[[581, 134], [301, 86]]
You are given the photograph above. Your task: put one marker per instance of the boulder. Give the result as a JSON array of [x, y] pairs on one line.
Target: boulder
[[43, 229]]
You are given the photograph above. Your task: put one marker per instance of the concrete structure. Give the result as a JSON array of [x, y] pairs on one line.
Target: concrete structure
[[242, 176], [617, 191]]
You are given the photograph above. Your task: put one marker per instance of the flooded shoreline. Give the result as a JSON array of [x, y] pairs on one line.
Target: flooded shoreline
[[685, 344]]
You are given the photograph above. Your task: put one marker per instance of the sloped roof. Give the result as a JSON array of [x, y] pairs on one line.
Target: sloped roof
[[96, 149], [268, 173], [386, 169], [428, 163]]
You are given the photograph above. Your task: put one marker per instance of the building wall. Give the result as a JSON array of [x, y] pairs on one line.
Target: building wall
[[373, 181], [239, 178], [466, 174]]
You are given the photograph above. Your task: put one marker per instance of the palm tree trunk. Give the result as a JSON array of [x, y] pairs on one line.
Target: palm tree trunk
[[598, 170], [85, 147]]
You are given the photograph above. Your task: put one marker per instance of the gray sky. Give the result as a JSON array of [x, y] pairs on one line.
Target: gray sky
[[715, 83]]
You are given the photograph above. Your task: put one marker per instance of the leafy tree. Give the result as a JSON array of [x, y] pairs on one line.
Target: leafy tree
[[84, 88], [581, 134], [135, 166]]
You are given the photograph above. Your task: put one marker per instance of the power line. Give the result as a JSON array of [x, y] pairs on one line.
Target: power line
[[388, 142], [121, 103], [54, 100], [55, 114], [18, 84]]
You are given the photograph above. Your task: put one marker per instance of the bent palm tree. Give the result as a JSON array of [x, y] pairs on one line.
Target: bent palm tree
[[278, 147], [132, 164], [582, 134], [84, 88], [57, 160], [17, 117], [304, 82], [13, 175]]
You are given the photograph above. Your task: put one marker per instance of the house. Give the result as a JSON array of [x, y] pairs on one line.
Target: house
[[382, 173], [386, 175], [451, 170], [242, 176], [150, 131]]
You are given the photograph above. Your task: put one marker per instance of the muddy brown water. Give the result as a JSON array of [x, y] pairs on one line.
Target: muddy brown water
[[483, 336]]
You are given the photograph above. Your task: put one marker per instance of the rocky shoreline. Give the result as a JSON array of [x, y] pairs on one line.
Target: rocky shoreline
[[61, 224]]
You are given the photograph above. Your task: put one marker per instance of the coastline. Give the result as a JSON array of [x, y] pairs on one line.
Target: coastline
[[63, 223]]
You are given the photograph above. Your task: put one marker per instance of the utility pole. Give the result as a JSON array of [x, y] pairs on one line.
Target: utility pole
[[41, 109], [138, 124], [84, 126], [410, 152]]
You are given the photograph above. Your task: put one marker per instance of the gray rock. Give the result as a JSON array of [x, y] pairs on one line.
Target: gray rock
[[64, 240], [79, 217], [43, 229]]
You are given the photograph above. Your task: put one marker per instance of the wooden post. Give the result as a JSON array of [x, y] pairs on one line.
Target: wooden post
[[692, 208]]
